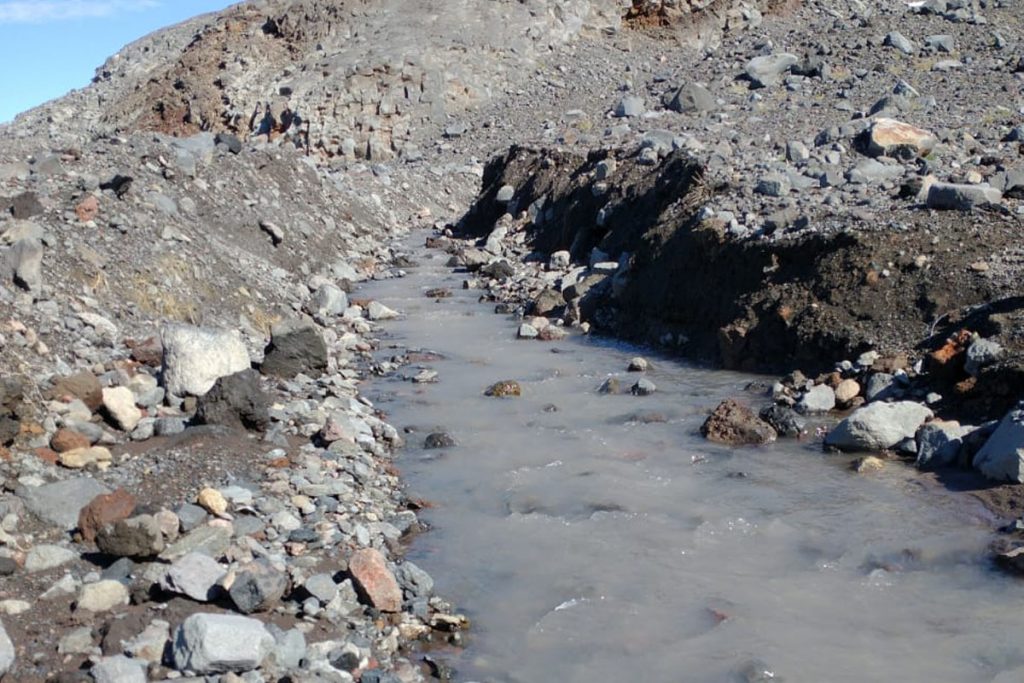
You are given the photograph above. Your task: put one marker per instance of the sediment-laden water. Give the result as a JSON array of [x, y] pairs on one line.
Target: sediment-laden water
[[600, 538]]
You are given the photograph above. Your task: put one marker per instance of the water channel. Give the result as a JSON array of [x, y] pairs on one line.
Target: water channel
[[588, 540]]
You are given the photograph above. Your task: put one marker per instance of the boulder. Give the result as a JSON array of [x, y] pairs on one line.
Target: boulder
[[1002, 456], [878, 426], [785, 421], [107, 508], [195, 575], [25, 264], [119, 404], [818, 399], [257, 587], [118, 669], [296, 346], [6, 651], [374, 581], [768, 70], [692, 97], [61, 502], [220, 643], [236, 400], [102, 596], [940, 443], [957, 197], [194, 358], [735, 424], [329, 300], [888, 137], [138, 536]]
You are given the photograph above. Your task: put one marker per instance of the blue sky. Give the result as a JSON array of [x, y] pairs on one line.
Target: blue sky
[[48, 47]]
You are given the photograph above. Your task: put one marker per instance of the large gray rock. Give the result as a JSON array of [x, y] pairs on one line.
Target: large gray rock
[[957, 197], [981, 353], [768, 70], [138, 536], [296, 346], [118, 669], [237, 400], [60, 502], [329, 300], [6, 651], [25, 264], [630, 106], [195, 575], [940, 443], [258, 587], [878, 426], [819, 399], [1002, 456], [196, 357], [692, 97], [219, 643]]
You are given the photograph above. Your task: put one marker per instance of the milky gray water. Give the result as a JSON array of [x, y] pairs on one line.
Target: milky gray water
[[586, 546]]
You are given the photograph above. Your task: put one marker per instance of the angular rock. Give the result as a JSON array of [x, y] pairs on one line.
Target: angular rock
[[196, 357], [819, 399], [107, 508], [296, 346], [374, 581], [119, 403], [83, 386], [878, 426], [940, 443], [149, 646], [25, 264], [118, 669], [768, 70], [7, 654], [237, 400], [630, 106], [328, 300], [897, 40], [981, 353], [257, 587], [785, 421], [957, 197], [220, 643], [138, 536], [887, 137], [61, 502], [503, 389], [44, 557], [378, 311], [692, 97], [643, 387], [1002, 456], [194, 575], [735, 424], [102, 596]]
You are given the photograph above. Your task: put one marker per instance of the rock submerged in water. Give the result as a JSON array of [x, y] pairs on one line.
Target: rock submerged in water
[[735, 424], [878, 426], [506, 388]]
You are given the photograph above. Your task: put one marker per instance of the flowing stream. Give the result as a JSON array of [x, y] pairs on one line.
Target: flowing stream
[[587, 542]]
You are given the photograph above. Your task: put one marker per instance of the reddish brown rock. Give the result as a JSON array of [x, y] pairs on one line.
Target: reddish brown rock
[[88, 209], [104, 509], [735, 424], [374, 581], [47, 455], [947, 362], [146, 351], [68, 440], [83, 386]]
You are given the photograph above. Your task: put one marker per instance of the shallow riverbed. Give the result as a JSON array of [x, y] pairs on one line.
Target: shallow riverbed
[[587, 545]]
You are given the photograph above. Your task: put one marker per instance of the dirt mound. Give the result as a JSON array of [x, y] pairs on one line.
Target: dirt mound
[[804, 301]]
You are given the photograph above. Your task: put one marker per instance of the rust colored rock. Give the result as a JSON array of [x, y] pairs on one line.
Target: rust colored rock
[[374, 581], [735, 424], [87, 209], [146, 351], [83, 386], [68, 440], [47, 455], [947, 361], [104, 509]]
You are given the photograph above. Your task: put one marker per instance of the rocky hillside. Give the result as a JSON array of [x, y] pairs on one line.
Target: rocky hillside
[[760, 184]]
